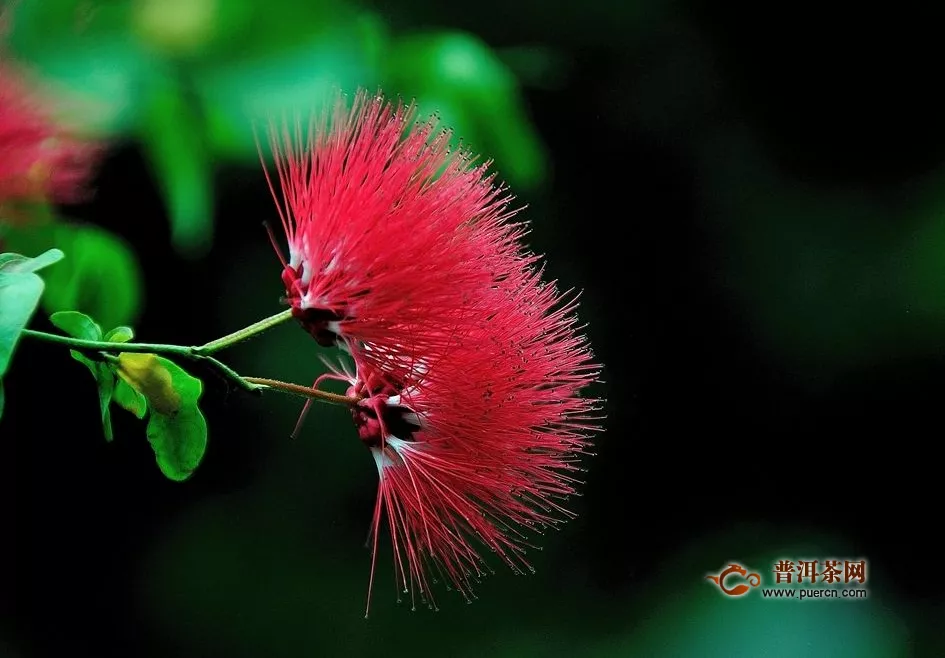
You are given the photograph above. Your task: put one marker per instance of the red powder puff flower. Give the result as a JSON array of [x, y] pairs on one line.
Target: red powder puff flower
[[468, 366], [477, 448], [39, 159], [390, 232]]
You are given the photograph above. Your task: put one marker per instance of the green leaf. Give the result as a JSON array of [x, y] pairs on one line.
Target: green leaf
[[10, 262], [178, 441], [173, 135], [129, 399], [100, 278], [122, 394], [20, 293], [120, 335], [126, 396], [188, 387], [105, 381], [77, 325], [476, 95], [179, 438], [177, 429], [148, 375]]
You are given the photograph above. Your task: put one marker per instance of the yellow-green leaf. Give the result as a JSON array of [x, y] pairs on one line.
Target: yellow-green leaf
[[120, 335], [177, 432], [148, 374]]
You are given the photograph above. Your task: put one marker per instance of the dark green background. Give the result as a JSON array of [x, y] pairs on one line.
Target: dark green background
[[753, 201]]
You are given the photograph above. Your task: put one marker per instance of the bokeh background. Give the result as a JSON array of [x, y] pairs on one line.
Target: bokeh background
[[753, 201]]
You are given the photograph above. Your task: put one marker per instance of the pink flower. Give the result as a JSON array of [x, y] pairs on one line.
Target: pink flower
[[469, 367], [479, 447], [39, 159], [389, 231]]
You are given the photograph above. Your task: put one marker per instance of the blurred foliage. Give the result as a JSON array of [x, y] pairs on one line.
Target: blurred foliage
[[473, 92], [100, 278], [191, 80], [172, 133]]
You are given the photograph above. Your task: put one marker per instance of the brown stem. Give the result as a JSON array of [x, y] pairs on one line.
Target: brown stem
[[303, 391]]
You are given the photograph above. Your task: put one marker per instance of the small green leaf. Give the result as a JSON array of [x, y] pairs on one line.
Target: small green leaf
[[110, 388], [77, 325], [120, 335], [179, 438], [20, 293], [106, 389], [129, 399], [178, 441], [105, 380]]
